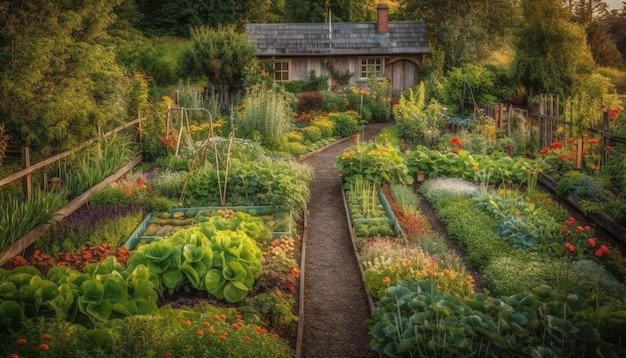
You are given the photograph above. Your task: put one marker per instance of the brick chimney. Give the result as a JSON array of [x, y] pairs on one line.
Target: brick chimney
[[383, 14]]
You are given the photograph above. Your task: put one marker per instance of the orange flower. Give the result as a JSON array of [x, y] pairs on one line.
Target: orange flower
[[200, 332], [593, 141], [446, 272], [206, 324], [247, 338], [469, 278], [387, 280], [222, 338], [44, 347], [169, 354], [46, 336], [21, 341]]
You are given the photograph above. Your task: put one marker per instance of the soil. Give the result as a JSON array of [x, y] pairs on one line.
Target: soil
[[335, 301]]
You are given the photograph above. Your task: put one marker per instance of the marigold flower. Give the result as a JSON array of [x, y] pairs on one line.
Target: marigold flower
[[46, 336], [562, 157], [222, 338], [44, 347], [21, 341], [387, 280], [570, 140], [593, 141], [223, 316], [200, 332], [469, 278], [247, 338], [446, 272], [169, 354]]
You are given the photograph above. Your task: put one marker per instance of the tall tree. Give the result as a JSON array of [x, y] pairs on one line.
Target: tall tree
[[59, 79], [176, 17], [551, 53], [221, 56], [466, 31]]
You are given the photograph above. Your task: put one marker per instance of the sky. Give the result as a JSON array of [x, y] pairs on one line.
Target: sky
[[614, 4]]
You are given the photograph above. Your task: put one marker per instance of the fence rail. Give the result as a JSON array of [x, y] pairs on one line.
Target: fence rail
[[29, 168]]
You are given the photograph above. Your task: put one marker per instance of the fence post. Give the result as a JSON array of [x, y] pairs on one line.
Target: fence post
[[27, 181]]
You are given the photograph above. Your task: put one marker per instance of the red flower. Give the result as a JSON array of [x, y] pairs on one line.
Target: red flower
[[562, 157], [609, 148], [21, 341], [544, 151], [591, 242], [46, 336], [604, 248], [593, 141], [556, 145], [570, 140], [599, 253], [456, 141], [455, 150], [44, 347], [570, 158], [569, 247]]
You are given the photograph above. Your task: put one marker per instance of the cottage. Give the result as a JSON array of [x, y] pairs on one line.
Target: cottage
[[393, 50]]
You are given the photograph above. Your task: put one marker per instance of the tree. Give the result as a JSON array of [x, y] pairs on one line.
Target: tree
[[59, 81], [176, 17], [466, 31], [551, 53], [222, 56]]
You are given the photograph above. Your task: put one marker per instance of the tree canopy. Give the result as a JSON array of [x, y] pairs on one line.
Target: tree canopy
[[59, 80]]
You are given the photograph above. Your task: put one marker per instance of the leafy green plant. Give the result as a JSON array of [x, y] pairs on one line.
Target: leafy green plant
[[374, 162], [19, 216], [413, 318]]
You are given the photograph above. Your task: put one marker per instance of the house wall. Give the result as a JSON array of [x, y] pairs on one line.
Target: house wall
[[400, 70]]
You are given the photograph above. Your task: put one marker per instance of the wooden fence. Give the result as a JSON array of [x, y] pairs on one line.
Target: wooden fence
[[28, 168]]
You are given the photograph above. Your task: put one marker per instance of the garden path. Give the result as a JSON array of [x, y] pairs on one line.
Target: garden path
[[335, 300]]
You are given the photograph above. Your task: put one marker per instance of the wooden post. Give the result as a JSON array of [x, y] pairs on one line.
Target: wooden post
[[27, 181], [579, 154], [499, 116]]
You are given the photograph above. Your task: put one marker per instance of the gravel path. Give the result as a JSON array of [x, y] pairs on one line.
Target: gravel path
[[335, 300]]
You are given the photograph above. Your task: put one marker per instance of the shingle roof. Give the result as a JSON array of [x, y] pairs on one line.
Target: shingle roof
[[348, 38]]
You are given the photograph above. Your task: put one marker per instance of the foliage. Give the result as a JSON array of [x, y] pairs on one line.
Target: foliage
[[282, 184], [345, 123], [472, 228], [166, 18], [418, 122], [464, 34], [309, 101], [454, 88], [582, 187], [4, 141], [107, 156], [387, 263], [374, 162], [221, 55], [207, 257], [545, 322], [547, 26], [313, 83], [204, 331], [19, 216], [264, 117], [60, 81], [371, 104], [478, 168], [93, 226]]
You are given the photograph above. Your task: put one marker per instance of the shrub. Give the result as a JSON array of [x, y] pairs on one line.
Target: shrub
[[310, 101], [312, 133], [325, 125], [345, 123]]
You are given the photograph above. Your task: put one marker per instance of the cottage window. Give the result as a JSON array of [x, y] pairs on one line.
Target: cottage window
[[371, 64], [281, 70]]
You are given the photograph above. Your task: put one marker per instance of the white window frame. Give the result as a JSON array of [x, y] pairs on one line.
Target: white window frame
[[378, 63]]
